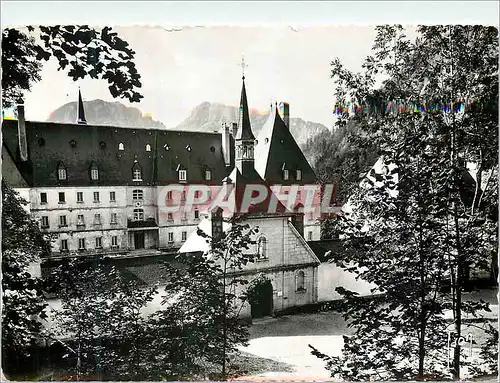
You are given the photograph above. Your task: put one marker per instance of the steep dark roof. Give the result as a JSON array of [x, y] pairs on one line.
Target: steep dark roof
[[81, 110], [276, 150], [240, 183], [244, 128], [324, 249], [78, 146]]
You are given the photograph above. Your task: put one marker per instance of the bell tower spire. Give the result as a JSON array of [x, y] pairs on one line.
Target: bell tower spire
[[244, 140], [80, 118]]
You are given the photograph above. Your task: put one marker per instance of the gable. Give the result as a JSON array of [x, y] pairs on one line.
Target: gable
[[275, 147], [297, 251]]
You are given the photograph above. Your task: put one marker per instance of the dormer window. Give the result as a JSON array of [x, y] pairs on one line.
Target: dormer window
[[299, 175], [137, 175], [182, 175], [286, 174], [121, 146], [61, 172], [94, 173], [148, 148], [208, 175]]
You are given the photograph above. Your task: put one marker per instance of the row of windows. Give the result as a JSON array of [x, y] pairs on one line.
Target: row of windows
[[80, 220], [170, 237], [170, 216], [79, 197], [82, 243], [286, 174], [136, 196], [62, 174]]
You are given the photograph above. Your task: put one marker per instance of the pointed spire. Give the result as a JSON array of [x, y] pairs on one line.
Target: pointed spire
[[80, 118], [244, 128]]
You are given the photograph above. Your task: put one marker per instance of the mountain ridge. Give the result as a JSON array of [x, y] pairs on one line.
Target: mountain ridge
[[205, 117]]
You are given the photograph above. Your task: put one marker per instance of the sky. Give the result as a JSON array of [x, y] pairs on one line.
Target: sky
[[182, 68]]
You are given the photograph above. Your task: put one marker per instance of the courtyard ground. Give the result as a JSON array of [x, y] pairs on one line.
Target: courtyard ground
[[286, 340]]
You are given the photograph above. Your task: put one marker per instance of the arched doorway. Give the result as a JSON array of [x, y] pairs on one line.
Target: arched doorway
[[260, 297]]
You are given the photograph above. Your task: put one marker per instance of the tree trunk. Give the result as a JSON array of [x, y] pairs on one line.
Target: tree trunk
[[421, 351], [458, 297]]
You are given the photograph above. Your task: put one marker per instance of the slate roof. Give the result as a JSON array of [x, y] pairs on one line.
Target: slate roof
[[78, 146], [251, 177], [277, 149], [324, 248], [244, 128]]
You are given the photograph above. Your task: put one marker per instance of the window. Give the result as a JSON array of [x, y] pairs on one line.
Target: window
[[120, 146], [64, 245], [43, 197], [79, 197], [285, 174], [197, 194], [183, 195], [81, 244], [97, 219], [170, 237], [300, 281], [309, 235], [137, 175], [169, 195], [184, 235], [148, 148], [262, 247], [61, 174], [45, 221], [182, 175], [137, 195], [80, 221], [196, 214], [114, 241], [299, 174], [62, 221], [96, 196], [114, 219], [112, 196], [98, 243], [138, 215], [94, 174], [62, 197], [170, 217], [208, 175]]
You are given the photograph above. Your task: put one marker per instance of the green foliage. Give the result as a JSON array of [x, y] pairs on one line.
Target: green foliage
[[100, 319], [81, 50], [23, 305], [423, 219], [340, 158], [207, 296]]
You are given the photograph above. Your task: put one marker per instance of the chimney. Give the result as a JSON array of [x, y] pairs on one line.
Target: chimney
[[226, 144], [297, 221], [285, 113], [21, 132]]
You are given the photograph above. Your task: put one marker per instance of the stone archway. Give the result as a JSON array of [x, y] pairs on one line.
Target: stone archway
[[260, 298]]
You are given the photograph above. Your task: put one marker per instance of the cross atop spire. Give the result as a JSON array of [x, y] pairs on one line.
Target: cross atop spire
[[243, 65]]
